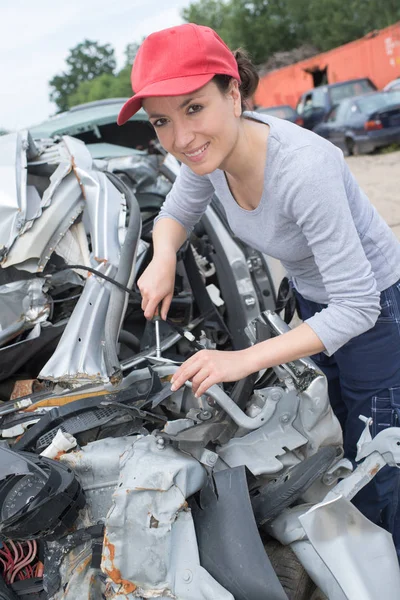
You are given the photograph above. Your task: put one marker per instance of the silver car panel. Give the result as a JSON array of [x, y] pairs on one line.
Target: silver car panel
[[23, 305], [13, 177], [42, 238], [79, 355]]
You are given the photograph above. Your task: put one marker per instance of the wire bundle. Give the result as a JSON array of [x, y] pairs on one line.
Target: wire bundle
[[19, 561]]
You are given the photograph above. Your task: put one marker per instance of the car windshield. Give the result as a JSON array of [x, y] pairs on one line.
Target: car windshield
[[351, 88], [374, 102], [283, 112]]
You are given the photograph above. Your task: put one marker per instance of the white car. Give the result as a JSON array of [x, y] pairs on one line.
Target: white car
[[392, 85]]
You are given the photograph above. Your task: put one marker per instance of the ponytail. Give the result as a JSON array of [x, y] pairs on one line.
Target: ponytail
[[248, 76]]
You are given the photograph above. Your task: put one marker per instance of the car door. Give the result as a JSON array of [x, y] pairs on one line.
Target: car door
[[326, 129], [314, 107], [339, 125]]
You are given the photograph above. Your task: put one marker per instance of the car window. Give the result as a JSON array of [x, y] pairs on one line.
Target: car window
[[342, 112], [283, 112], [307, 103], [300, 106], [368, 104], [331, 117], [352, 88], [318, 98]]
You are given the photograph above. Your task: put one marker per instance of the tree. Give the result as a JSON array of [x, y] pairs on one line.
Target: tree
[[267, 26], [130, 52], [3, 131], [104, 86], [87, 61], [260, 26], [334, 22]]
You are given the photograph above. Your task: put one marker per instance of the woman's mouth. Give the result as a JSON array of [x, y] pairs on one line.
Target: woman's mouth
[[198, 154]]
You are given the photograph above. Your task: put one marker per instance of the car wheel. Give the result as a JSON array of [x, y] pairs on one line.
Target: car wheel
[[353, 148], [293, 577]]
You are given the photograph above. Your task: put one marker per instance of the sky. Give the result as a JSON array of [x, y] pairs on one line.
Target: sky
[[35, 39]]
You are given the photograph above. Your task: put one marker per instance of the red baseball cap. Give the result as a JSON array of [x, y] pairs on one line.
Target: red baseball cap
[[177, 61]]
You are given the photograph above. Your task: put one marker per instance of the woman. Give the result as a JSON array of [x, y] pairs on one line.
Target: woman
[[288, 193]]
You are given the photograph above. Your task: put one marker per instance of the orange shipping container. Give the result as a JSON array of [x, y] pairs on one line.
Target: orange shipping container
[[377, 56]]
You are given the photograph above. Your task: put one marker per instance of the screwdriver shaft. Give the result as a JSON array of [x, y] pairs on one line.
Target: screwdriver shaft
[[158, 339]]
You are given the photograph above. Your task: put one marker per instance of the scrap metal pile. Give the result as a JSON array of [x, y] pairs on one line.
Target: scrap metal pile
[[112, 485]]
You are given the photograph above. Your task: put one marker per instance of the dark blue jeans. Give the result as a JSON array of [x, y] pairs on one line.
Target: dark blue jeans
[[364, 379]]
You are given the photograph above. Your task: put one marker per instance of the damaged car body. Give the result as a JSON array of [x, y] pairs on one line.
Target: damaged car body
[[112, 485]]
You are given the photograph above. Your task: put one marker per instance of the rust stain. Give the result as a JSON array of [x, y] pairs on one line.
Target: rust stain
[[113, 573], [83, 565], [59, 454], [374, 470], [166, 378], [73, 164], [25, 387], [100, 260], [110, 547]]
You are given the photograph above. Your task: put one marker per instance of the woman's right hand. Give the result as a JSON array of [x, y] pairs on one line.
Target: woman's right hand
[[156, 285]]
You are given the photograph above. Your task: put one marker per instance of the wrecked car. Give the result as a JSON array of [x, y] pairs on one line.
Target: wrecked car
[[113, 486]]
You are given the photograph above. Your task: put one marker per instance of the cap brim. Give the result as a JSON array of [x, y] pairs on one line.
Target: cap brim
[[168, 87]]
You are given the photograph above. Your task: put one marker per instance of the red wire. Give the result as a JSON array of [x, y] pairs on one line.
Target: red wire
[[10, 562], [16, 555], [32, 545], [17, 564], [6, 551]]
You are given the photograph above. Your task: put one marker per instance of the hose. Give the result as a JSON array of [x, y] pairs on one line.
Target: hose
[[129, 339]]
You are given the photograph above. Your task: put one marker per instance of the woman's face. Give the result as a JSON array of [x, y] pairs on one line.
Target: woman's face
[[201, 128]]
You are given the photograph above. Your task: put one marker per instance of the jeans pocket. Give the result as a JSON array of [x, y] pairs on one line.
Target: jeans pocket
[[387, 313], [386, 410]]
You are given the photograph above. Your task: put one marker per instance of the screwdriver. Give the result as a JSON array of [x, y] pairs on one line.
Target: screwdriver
[[157, 319]]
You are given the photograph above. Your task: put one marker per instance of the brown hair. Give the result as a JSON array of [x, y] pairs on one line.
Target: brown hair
[[248, 75]]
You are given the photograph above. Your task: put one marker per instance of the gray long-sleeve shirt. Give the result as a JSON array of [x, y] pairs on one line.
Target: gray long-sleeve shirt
[[312, 216]]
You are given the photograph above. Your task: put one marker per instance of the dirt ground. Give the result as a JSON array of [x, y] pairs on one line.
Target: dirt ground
[[379, 177]]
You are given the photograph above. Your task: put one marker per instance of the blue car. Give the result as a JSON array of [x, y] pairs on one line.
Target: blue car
[[315, 104], [363, 123], [283, 111]]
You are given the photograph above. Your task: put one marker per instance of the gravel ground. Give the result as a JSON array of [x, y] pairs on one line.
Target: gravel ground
[[379, 177]]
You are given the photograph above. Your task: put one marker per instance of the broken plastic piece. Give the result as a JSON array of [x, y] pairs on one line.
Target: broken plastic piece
[[61, 443]]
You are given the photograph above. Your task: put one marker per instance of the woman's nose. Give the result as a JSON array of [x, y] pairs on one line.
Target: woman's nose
[[183, 137]]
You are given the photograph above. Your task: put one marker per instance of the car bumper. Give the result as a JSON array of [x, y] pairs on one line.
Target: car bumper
[[376, 139]]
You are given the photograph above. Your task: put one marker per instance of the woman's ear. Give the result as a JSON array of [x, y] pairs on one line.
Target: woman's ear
[[234, 93]]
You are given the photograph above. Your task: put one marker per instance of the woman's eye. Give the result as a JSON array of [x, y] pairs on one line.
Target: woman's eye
[[194, 108], [159, 122]]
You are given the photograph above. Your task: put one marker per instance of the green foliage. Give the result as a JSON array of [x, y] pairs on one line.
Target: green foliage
[[87, 61], [261, 26], [266, 26], [334, 23], [104, 86]]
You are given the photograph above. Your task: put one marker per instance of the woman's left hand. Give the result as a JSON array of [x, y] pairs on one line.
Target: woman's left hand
[[207, 367]]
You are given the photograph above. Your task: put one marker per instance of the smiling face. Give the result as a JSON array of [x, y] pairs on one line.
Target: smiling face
[[200, 129]]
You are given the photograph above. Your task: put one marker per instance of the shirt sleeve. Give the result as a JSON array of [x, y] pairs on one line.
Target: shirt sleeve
[[188, 199], [316, 200]]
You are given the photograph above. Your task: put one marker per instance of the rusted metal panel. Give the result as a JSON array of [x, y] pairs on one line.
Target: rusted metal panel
[[377, 56], [24, 387]]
